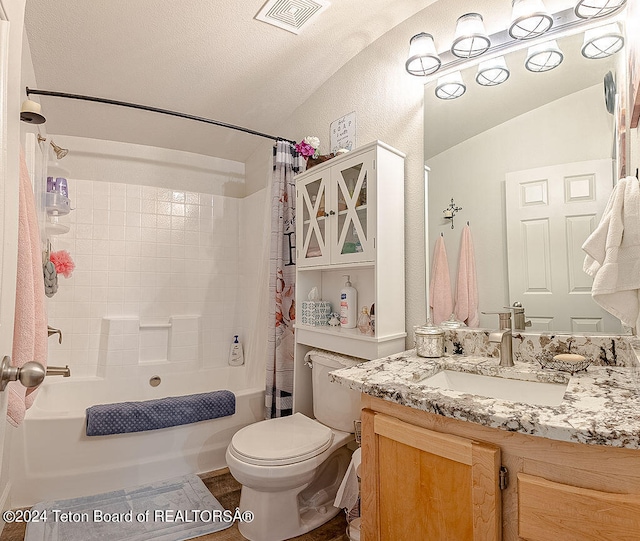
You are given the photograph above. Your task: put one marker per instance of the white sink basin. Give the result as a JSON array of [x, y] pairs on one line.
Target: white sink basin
[[515, 390]]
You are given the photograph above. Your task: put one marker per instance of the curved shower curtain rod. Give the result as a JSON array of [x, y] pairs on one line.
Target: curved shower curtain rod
[[153, 110]]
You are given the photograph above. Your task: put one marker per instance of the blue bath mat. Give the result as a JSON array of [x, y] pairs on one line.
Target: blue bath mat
[[171, 510]]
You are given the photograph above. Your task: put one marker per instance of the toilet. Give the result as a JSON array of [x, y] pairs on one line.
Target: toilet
[[291, 467]]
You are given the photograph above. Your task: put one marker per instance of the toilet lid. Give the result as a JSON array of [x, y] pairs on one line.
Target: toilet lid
[[284, 440]]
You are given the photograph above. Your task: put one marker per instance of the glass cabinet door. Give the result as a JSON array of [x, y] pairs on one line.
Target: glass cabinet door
[[311, 206], [354, 187]]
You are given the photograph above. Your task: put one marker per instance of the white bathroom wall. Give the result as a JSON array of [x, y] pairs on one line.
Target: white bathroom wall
[[152, 252]]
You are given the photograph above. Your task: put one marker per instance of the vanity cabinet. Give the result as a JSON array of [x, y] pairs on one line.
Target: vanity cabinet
[[350, 222], [422, 484], [555, 490]]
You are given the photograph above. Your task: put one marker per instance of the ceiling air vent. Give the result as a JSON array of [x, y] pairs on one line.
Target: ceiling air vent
[[291, 15]]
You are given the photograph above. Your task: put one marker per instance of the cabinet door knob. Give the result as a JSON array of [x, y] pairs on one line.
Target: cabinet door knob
[[332, 213]]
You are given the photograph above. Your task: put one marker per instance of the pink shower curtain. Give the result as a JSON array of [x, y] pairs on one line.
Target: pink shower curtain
[[282, 276]]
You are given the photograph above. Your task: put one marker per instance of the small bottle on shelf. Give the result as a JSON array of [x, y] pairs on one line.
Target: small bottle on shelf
[[364, 321]]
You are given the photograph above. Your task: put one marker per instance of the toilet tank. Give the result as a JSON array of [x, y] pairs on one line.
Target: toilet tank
[[334, 406]]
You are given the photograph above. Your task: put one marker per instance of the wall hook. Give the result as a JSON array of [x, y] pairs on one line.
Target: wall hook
[[451, 211]]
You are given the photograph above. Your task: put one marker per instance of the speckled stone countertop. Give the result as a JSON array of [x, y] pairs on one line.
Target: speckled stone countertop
[[601, 405]]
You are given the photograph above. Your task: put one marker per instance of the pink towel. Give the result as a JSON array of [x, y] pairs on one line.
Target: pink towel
[[467, 287], [440, 285], [30, 326]]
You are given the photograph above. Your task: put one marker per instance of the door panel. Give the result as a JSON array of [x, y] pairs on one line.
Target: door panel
[[351, 239], [550, 213]]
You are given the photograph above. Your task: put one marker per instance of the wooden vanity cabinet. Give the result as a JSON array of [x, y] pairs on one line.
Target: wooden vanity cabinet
[[425, 476], [421, 484]]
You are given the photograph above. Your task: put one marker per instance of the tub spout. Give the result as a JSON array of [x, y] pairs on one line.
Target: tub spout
[[63, 371]]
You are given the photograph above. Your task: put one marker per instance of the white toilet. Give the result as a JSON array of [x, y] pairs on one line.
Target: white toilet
[[291, 467]]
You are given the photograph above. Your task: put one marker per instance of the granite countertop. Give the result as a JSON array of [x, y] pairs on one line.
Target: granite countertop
[[601, 405]]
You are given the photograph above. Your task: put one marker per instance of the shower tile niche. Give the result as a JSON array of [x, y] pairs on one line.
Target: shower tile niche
[[127, 342]]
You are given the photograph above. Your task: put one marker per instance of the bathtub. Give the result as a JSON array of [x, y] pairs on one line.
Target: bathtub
[[52, 458]]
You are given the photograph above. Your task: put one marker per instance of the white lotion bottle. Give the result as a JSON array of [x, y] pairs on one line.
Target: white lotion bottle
[[236, 355], [348, 305]]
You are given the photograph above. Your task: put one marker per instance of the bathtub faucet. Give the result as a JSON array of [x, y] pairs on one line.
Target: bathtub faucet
[[63, 371]]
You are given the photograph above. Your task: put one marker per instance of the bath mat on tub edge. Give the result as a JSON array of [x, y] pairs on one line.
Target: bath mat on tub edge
[[171, 510]]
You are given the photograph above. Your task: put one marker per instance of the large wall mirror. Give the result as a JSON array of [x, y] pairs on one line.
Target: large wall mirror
[[531, 163]]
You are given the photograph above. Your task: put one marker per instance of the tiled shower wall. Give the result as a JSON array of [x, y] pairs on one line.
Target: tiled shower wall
[[152, 253]]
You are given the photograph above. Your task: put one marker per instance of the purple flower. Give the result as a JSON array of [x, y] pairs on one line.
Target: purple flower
[[305, 149]]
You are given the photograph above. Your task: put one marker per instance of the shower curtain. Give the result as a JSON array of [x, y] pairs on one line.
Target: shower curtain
[[282, 276]]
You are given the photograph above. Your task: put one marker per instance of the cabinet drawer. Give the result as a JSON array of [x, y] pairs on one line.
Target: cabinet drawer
[[548, 511]]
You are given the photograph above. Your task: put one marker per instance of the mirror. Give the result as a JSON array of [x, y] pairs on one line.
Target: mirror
[[504, 153]]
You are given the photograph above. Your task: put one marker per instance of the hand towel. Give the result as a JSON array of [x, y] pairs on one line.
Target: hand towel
[[440, 298], [466, 287], [613, 254], [30, 322]]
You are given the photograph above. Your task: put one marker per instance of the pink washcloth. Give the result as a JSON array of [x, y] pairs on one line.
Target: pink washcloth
[[440, 285], [467, 287], [30, 326]]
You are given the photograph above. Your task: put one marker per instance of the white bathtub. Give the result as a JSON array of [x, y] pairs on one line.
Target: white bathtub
[[52, 458]]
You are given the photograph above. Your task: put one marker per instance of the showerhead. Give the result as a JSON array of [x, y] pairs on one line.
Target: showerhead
[[60, 152]]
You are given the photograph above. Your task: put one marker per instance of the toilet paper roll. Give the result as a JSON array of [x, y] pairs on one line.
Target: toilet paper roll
[[348, 492]]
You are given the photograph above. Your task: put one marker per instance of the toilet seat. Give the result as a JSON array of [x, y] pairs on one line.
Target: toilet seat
[[281, 441]]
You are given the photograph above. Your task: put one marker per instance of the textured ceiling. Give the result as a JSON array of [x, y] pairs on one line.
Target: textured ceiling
[[207, 58]]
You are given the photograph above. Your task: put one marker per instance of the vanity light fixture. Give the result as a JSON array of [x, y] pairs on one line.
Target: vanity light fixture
[[602, 42], [423, 57], [544, 57], [451, 86], [471, 38], [592, 9], [492, 72], [529, 19]]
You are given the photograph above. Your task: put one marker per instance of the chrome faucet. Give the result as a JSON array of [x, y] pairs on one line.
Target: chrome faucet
[[503, 337], [519, 320]]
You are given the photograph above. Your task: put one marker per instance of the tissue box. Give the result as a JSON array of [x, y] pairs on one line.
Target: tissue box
[[315, 313]]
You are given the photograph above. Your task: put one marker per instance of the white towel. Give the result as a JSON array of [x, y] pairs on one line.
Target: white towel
[[613, 254], [466, 286], [440, 298]]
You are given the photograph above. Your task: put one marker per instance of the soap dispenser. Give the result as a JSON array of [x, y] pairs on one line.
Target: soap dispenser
[[348, 305]]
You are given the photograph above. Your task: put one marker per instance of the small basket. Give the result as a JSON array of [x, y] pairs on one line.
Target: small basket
[[546, 360], [357, 427]]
